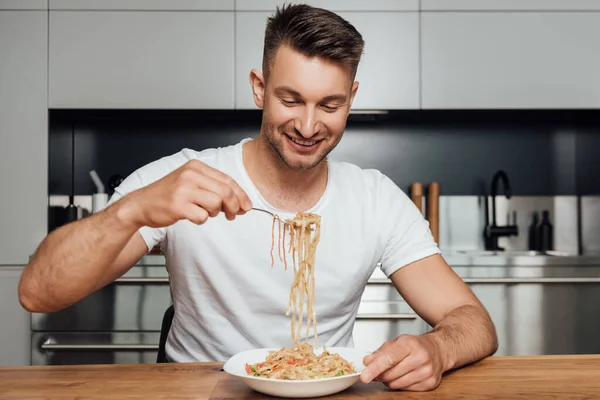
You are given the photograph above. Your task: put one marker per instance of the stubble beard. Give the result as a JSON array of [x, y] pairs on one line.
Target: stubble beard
[[278, 146]]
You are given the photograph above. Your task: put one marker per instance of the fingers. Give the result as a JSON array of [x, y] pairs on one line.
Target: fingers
[[382, 360], [210, 201], [195, 214], [424, 385], [224, 200], [242, 198], [406, 366], [415, 367]]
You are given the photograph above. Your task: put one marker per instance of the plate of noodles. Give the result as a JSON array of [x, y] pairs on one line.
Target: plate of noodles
[[299, 371]]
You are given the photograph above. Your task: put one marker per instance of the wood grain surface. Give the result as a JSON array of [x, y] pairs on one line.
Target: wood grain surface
[[544, 377]]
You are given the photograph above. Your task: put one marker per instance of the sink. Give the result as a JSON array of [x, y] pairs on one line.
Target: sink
[[512, 253]]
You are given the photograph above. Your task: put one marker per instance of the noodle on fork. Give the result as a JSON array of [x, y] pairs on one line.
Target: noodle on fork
[[304, 233]]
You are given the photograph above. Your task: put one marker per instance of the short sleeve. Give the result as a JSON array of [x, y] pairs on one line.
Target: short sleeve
[[152, 236], [406, 234]]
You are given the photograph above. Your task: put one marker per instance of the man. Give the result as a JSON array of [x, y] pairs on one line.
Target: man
[[197, 206]]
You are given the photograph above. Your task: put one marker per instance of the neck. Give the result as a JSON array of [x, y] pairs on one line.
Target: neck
[[280, 185]]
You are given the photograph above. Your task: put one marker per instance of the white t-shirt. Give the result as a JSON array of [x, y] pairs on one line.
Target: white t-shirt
[[228, 299]]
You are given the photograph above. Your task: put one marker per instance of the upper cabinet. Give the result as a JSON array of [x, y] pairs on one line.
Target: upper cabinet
[[23, 134], [510, 59], [388, 73], [249, 36], [171, 5], [23, 4], [141, 59], [509, 5], [333, 5]]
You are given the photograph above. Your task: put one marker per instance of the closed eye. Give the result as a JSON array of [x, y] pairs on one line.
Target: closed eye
[[289, 102], [331, 108]]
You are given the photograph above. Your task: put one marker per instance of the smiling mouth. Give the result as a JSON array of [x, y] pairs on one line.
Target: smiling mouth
[[304, 142]]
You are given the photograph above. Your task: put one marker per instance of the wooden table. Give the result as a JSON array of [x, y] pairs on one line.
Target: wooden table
[[546, 377]]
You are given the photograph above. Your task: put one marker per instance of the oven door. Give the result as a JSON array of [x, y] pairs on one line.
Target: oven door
[[117, 324]]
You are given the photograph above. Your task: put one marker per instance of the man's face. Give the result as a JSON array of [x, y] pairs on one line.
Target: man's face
[[306, 104]]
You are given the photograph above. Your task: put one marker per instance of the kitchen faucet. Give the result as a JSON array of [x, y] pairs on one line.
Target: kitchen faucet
[[493, 232]]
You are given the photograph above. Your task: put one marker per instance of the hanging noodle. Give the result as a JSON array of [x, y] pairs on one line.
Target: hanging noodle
[[299, 361]]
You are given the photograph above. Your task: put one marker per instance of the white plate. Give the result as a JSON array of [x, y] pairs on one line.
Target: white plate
[[296, 388]]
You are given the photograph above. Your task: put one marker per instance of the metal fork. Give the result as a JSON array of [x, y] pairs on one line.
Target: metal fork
[[272, 214], [265, 211]]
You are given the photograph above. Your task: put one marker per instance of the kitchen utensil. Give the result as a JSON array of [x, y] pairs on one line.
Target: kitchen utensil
[[265, 211], [72, 211], [114, 182], [416, 195], [99, 199], [433, 210]]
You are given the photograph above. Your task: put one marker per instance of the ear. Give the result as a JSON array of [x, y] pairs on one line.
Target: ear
[[257, 82], [353, 93]]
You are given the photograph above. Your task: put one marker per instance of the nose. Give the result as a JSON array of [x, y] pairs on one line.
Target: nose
[[307, 124]]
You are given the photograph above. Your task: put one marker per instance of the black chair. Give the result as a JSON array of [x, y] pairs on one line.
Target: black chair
[[164, 332]]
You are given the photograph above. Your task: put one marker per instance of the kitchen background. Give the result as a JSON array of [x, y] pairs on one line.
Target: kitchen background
[[451, 92]]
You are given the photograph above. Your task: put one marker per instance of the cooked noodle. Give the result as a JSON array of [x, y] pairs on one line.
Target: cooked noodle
[[300, 361]]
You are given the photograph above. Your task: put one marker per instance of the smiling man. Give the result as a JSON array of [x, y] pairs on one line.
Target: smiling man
[[196, 206]]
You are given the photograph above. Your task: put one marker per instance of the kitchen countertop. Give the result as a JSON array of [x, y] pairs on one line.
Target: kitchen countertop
[[564, 377], [518, 258]]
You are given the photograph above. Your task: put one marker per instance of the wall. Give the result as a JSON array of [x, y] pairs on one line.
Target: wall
[[544, 153]]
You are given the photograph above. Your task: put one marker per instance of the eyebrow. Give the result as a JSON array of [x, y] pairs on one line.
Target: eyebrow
[[280, 90]]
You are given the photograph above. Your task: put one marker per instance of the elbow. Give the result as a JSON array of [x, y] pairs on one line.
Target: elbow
[[495, 344], [28, 302], [493, 338], [29, 297]]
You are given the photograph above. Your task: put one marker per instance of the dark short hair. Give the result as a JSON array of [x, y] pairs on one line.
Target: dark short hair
[[313, 32]]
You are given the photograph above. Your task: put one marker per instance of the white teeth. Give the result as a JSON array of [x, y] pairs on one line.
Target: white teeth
[[303, 142]]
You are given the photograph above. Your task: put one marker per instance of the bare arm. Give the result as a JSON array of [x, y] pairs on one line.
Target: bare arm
[[463, 331], [83, 256], [462, 327], [79, 258]]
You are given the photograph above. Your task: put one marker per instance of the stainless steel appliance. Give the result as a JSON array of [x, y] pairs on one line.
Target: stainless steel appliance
[[118, 324]]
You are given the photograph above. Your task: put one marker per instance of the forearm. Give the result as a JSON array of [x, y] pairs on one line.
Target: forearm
[[465, 335], [71, 261]]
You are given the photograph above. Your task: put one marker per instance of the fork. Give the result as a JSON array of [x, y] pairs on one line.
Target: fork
[[265, 211], [272, 214]]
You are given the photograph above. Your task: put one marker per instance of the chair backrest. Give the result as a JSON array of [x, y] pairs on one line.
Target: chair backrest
[[161, 357]]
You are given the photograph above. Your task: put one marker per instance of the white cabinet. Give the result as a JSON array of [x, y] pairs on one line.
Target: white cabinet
[[509, 5], [23, 4], [510, 60], [388, 74], [141, 59], [249, 36], [202, 5], [23, 134], [15, 329], [333, 5]]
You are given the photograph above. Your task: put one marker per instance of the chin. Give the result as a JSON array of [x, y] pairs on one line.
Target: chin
[[302, 162]]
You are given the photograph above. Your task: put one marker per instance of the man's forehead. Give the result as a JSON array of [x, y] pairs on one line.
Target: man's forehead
[[292, 70]]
